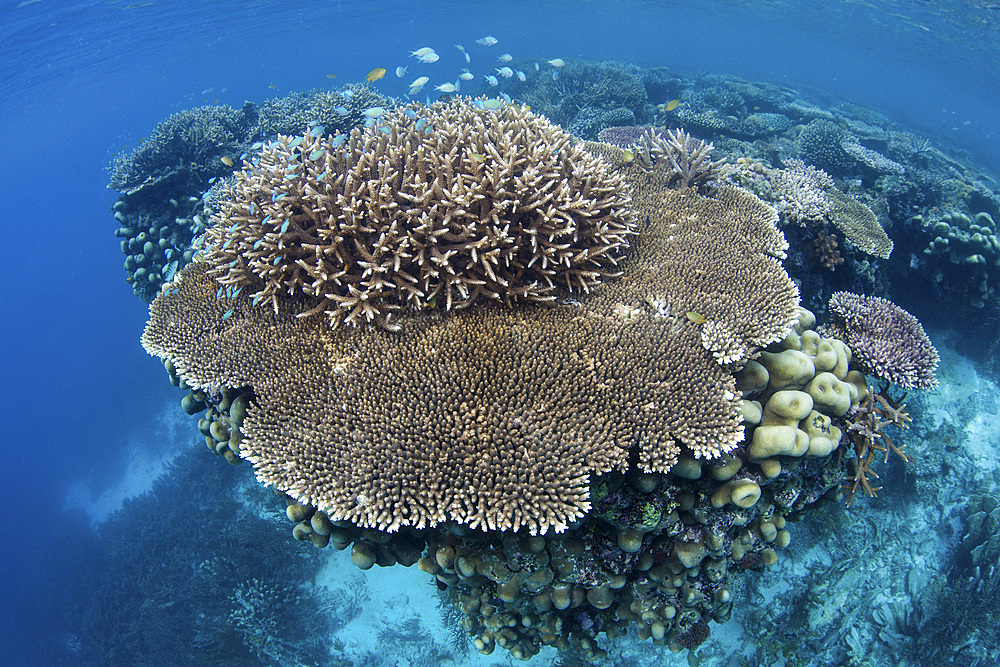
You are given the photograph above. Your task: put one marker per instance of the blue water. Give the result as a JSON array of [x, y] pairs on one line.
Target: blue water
[[80, 81]]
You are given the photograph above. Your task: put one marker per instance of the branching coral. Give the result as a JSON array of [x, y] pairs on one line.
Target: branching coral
[[687, 160], [887, 341], [865, 431], [438, 207]]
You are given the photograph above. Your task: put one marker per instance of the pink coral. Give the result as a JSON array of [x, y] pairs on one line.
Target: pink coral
[[887, 341]]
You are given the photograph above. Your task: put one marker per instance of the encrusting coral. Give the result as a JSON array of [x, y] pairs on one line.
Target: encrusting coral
[[434, 207], [888, 342]]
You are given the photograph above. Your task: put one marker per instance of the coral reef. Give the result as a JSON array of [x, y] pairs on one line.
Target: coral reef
[[206, 582], [455, 203], [888, 342], [165, 181], [744, 301]]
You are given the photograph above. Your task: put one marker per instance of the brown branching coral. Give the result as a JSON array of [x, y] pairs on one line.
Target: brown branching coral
[[865, 431], [498, 417], [686, 160], [823, 251], [434, 206], [887, 341]]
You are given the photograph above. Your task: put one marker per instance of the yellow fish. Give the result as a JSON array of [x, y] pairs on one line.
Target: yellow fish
[[697, 318], [272, 86], [331, 76], [671, 105], [375, 74], [627, 155], [226, 160], [477, 157]]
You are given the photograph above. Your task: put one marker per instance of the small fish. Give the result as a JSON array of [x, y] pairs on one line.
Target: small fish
[[477, 157], [218, 295], [505, 72], [420, 124], [520, 75], [284, 226], [375, 74], [421, 52], [447, 88], [492, 103], [419, 83], [627, 155], [506, 97], [555, 75], [410, 113], [401, 71], [280, 197], [384, 130], [369, 122], [256, 146], [347, 94], [295, 142], [317, 154], [337, 140], [331, 76], [467, 58], [342, 111], [492, 80], [373, 112], [696, 318], [671, 105], [226, 160], [272, 86], [505, 58], [257, 299], [429, 58], [317, 131], [207, 91], [557, 62], [460, 48], [226, 315], [536, 67], [267, 219], [466, 75], [488, 40]]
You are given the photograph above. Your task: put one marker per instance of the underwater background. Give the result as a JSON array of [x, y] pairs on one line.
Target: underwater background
[[126, 543]]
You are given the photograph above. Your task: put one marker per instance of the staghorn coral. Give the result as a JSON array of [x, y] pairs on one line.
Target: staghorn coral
[[497, 417], [687, 160], [866, 432], [888, 342], [452, 204]]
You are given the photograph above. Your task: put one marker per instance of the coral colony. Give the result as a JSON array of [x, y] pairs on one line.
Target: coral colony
[[575, 376]]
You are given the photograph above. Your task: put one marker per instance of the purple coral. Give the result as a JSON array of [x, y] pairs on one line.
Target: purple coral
[[625, 136], [887, 341]]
